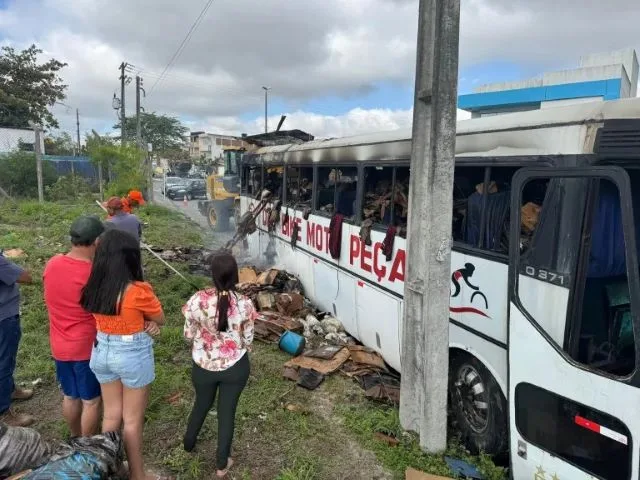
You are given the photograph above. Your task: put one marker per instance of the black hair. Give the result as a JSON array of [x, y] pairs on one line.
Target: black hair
[[117, 263], [224, 272]]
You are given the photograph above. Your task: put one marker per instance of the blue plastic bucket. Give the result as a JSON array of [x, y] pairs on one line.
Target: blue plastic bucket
[[292, 343]]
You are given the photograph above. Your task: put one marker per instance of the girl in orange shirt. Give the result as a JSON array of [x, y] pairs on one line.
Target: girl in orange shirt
[[127, 314]]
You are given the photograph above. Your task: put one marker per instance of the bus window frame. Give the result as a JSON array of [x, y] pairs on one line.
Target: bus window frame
[[379, 227], [357, 217], [497, 162], [620, 178], [299, 166], [275, 164]]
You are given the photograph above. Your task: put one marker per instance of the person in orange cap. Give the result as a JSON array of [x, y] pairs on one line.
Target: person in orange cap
[[133, 199]]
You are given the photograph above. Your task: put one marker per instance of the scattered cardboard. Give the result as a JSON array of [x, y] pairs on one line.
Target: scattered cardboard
[[411, 474], [319, 365], [247, 275], [289, 303], [267, 277], [365, 356]]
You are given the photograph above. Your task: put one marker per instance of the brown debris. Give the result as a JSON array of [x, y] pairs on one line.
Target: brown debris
[[267, 277], [289, 303], [323, 366], [271, 325], [247, 275], [265, 301], [389, 440], [365, 356], [412, 474]]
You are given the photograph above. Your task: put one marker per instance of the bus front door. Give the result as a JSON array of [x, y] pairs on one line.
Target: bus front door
[[574, 401]]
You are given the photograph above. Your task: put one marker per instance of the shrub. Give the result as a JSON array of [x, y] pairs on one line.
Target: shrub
[[69, 187], [18, 175]]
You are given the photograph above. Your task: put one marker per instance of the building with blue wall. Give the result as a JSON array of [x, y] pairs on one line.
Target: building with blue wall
[[599, 77]]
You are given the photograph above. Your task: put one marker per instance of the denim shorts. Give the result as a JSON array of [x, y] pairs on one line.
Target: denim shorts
[[128, 358]]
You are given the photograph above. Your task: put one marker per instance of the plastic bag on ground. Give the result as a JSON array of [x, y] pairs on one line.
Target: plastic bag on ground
[[90, 458], [21, 449]]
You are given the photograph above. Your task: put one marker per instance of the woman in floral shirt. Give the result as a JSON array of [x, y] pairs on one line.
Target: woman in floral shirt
[[219, 322]]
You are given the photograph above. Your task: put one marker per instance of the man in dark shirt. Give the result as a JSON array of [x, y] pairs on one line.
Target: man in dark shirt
[[121, 220], [10, 276]]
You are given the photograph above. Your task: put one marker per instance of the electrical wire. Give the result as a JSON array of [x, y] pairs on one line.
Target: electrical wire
[[183, 44]]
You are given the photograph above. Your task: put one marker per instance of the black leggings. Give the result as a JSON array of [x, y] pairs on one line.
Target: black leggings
[[231, 382]]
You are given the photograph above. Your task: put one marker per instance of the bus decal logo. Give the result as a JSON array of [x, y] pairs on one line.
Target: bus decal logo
[[465, 274]]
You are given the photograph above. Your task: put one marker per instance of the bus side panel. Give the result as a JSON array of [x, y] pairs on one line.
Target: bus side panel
[[344, 305], [379, 322], [479, 294]]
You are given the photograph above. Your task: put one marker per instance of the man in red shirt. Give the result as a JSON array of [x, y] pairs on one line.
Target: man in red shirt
[[72, 330]]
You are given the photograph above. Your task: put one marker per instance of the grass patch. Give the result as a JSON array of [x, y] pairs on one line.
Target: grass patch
[[328, 435], [367, 418]]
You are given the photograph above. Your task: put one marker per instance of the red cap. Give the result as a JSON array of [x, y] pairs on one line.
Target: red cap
[[114, 203]]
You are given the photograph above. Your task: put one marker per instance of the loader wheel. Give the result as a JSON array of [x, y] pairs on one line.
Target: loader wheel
[[218, 217], [212, 218]]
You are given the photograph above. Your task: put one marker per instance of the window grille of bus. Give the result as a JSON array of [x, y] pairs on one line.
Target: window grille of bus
[[618, 139]]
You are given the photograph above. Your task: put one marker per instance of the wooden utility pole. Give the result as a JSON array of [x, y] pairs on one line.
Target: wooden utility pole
[[123, 117], [425, 331]]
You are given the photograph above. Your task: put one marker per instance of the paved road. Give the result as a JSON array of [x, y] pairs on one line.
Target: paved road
[[191, 211]]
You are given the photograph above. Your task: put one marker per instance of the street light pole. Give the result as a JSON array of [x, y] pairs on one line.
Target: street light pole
[[266, 101]]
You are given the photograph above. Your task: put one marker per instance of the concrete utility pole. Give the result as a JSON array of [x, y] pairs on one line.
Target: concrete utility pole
[[425, 332], [37, 133], [123, 118], [138, 129], [266, 101], [78, 130]]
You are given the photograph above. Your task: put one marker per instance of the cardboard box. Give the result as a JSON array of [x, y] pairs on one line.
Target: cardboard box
[[412, 474]]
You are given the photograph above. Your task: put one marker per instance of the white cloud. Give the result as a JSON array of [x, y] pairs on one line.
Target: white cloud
[[304, 49], [354, 122]]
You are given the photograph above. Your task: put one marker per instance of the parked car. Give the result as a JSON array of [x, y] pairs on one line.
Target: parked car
[[189, 188], [171, 182]]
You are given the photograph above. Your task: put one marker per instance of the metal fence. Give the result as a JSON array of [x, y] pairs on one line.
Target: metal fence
[[67, 165]]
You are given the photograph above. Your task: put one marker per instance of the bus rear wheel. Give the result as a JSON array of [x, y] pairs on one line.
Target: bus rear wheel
[[478, 407]]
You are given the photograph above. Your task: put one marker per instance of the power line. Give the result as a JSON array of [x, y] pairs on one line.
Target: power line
[[183, 44]]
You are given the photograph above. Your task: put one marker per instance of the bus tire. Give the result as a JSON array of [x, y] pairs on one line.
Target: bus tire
[[478, 407]]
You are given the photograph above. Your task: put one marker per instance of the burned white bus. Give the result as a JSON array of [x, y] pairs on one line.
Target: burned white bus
[[544, 272]]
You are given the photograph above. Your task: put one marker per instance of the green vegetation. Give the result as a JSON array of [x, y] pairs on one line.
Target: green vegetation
[[18, 174], [28, 88], [282, 432]]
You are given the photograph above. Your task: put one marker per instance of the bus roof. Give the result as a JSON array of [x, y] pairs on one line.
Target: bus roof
[[551, 131]]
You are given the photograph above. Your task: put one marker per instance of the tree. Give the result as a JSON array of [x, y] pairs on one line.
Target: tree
[[63, 144], [124, 161], [28, 89], [163, 132]]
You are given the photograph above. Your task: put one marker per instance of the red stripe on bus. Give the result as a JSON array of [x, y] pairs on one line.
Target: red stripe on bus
[[467, 310], [588, 424]]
